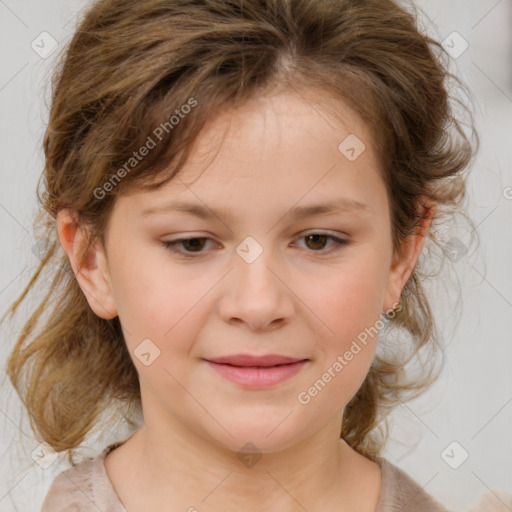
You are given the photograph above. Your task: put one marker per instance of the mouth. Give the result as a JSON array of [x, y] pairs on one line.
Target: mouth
[[264, 361], [256, 372]]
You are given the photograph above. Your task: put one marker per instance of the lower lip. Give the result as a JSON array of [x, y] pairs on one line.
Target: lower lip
[[257, 377]]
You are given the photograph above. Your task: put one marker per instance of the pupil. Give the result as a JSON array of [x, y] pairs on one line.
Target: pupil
[[316, 237], [193, 242]]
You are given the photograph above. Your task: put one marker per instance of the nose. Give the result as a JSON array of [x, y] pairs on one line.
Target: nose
[[256, 294]]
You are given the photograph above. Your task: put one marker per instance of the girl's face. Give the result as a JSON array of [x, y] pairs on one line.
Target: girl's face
[[288, 252]]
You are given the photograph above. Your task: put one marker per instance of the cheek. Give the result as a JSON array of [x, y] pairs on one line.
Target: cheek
[[157, 301], [346, 343], [349, 307], [347, 301]]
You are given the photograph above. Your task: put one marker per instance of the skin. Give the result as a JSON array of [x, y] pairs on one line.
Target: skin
[[280, 151]]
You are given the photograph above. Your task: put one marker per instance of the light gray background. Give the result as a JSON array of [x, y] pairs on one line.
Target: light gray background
[[471, 404]]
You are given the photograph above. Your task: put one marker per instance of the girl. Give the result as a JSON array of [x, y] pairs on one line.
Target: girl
[[236, 196]]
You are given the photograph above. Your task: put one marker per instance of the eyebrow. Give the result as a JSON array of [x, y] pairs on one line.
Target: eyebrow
[[339, 205]]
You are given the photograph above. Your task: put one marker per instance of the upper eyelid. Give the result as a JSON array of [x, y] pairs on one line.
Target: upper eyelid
[[298, 236], [337, 239]]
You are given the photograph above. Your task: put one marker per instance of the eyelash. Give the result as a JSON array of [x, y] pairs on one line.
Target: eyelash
[[172, 245]]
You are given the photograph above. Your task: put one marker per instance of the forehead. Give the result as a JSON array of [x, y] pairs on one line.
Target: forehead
[[282, 148], [271, 126]]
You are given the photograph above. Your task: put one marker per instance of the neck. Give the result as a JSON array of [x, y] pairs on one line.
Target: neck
[[180, 470]]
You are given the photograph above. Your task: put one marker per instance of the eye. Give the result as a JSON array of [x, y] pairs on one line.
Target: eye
[[317, 241], [195, 244], [192, 247]]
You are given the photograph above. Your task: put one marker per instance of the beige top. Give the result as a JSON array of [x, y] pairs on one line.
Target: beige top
[[86, 487]]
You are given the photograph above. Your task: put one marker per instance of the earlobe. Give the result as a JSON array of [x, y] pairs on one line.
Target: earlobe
[[404, 263], [89, 264]]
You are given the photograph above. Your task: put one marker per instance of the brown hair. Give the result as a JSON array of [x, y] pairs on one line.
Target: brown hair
[[131, 66]]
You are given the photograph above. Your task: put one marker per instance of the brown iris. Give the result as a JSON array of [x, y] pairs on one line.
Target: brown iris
[[315, 238], [193, 243]]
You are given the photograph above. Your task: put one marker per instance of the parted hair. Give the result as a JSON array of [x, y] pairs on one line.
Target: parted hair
[[133, 66]]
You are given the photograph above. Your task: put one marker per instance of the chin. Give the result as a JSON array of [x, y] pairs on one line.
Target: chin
[[257, 438]]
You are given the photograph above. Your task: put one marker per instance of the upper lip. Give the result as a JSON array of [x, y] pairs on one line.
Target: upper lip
[[250, 360]]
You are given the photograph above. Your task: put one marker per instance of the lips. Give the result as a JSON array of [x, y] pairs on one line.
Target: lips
[[243, 360], [256, 372]]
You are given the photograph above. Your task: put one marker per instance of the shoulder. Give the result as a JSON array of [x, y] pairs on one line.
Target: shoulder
[[399, 492], [83, 487]]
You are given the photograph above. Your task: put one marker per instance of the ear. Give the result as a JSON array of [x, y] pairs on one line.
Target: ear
[[404, 262], [89, 264]]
